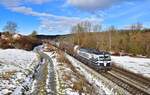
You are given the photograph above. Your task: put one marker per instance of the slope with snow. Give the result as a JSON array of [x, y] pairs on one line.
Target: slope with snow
[[137, 65]]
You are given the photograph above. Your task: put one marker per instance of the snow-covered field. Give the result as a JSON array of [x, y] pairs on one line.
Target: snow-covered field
[[16, 66], [136, 65]]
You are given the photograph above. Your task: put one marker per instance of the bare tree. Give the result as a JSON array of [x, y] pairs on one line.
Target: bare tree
[[137, 26], [34, 33], [111, 30], [97, 28], [82, 34], [10, 27]]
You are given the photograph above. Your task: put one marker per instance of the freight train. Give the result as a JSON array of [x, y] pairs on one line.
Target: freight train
[[98, 60]]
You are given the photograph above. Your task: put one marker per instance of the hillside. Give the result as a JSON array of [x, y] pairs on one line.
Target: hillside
[[18, 41]]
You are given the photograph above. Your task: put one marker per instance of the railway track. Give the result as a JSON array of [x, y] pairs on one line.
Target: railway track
[[132, 86], [142, 81], [132, 83]]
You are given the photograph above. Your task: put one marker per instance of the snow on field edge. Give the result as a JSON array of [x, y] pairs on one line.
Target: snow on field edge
[[137, 65], [16, 67]]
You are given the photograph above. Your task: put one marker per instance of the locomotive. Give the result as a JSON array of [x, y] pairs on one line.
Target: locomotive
[[98, 60]]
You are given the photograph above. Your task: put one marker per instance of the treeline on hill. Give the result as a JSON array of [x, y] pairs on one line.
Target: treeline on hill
[[135, 41], [14, 40]]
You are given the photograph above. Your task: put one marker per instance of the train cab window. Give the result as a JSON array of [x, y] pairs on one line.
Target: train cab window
[[107, 58], [96, 59], [101, 59]]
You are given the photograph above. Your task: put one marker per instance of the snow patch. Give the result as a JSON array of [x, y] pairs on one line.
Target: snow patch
[[16, 68], [136, 65]]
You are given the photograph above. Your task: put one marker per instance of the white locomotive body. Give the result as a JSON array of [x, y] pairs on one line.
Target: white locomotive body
[[101, 60]]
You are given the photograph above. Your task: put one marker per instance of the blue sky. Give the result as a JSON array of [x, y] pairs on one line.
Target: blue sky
[[58, 16]]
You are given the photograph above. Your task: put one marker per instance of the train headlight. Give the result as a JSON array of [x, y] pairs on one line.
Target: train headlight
[[105, 63]]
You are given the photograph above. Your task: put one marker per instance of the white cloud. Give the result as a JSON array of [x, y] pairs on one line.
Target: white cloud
[[18, 6], [11, 3], [92, 5], [38, 1], [55, 23], [28, 11]]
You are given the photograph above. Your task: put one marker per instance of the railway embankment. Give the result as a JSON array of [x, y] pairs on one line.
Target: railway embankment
[[108, 86]]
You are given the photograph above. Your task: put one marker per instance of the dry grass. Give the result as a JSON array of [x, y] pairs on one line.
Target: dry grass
[[61, 57], [81, 85], [49, 48], [78, 85], [7, 75], [66, 77]]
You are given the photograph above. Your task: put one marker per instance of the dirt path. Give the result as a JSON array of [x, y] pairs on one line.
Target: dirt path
[[45, 83]]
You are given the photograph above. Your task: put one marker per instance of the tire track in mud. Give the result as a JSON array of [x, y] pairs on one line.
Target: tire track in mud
[[45, 83]]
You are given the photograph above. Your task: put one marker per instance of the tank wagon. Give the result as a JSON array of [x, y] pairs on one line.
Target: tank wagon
[[98, 60]]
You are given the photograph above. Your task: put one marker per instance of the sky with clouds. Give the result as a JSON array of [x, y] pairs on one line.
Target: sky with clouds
[[58, 16]]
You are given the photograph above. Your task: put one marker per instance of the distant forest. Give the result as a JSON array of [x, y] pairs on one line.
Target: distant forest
[[135, 40]]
